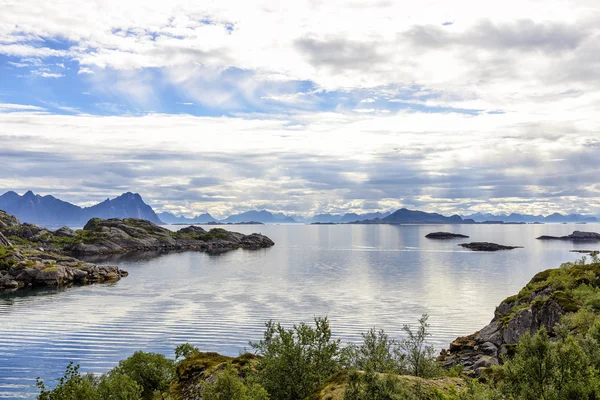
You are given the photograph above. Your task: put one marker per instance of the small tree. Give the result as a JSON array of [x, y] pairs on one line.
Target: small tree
[[417, 353], [294, 362], [72, 386], [376, 353], [153, 372]]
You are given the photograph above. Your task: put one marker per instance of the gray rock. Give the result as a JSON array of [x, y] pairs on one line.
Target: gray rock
[[489, 348], [4, 241], [485, 362], [65, 232]]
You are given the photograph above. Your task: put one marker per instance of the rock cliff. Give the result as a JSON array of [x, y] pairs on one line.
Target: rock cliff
[[548, 297]]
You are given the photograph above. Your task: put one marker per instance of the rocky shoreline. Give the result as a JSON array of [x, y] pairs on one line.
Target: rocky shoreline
[[34, 256], [539, 304]]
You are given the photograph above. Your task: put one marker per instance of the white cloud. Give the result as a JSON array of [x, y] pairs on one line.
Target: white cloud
[[527, 71], [44, 74], [19, 107], [438, 162]]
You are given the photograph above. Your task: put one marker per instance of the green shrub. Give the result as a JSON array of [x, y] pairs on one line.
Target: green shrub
[[229, 386], [294, 362], [153, 372]]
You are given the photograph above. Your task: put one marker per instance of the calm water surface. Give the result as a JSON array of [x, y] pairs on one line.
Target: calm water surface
[[361, 276]]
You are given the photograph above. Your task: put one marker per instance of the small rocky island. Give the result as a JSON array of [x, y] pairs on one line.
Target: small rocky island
[[576, 236], [34, 256], [486, 246], [445, 235]]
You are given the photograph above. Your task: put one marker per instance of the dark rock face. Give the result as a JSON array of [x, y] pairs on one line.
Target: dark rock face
[[485, 246], [576, 236], [445, 235]]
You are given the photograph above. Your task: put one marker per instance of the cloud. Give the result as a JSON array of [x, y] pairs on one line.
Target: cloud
[[346, 106], [329, 164]]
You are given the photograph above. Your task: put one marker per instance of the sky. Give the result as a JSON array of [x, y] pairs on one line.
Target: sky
[[304, 107]]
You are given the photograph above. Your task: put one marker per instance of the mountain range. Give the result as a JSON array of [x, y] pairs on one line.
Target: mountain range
[[348, 217], [50, 211], [170, 218], [404, 216], [527, 218]]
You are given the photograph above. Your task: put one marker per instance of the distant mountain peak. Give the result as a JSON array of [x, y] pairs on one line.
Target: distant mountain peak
[[48, 210]]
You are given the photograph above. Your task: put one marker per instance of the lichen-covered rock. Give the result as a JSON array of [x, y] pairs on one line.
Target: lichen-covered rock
[[538, 305], [120, 236], [7, 220]]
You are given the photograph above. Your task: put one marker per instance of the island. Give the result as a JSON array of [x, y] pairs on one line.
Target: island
[[486, 246], [34, 256], [445, 235], [576, 236]]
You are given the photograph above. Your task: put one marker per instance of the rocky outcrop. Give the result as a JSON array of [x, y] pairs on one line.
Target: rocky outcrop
[[4, 241], [537, 305], [113, 236], [485, 246], [27, 268], [34, 256], [445, 235], [576, 236], [7, 220]]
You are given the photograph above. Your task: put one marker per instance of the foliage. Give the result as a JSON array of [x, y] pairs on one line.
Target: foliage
[[294, 362], [184, 351], [547, 370], [72, 386], [153, 372], [229, 386], [75, 386], [377, 353], [419, 355]]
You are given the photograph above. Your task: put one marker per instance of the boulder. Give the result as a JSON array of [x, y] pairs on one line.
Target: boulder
[[65, 232], [193, 230]]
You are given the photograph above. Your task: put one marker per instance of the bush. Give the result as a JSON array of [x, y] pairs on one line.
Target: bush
[[542, 369], [418, 354], [74, 386], [153, 372], [377, 353], [229, 386], [294, 362]]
